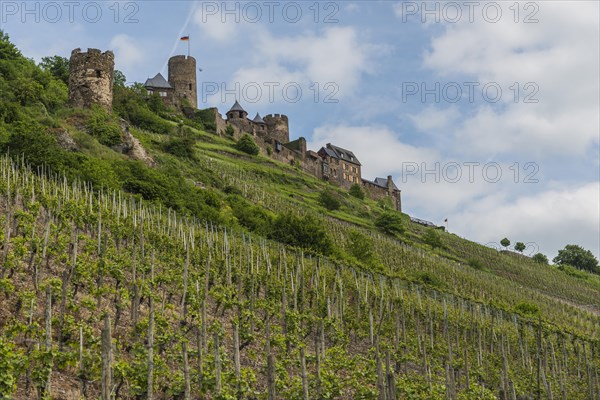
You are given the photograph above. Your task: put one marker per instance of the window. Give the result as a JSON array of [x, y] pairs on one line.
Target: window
[[98, 73], [163, 94], [190, 85]]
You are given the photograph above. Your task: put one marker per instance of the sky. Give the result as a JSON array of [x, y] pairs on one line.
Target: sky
[[485, 113]]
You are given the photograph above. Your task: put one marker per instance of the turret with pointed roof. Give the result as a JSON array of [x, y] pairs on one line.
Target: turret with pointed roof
[[237, 112]]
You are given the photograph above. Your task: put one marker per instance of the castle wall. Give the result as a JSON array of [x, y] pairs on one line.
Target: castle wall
[[376, 192], [91, 78], [182, 76], [278, 127]]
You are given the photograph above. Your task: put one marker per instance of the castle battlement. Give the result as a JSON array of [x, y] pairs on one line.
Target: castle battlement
[[91, 78]]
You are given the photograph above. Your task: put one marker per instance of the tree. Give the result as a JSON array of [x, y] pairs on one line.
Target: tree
[[505, 242], [328, 200], [576, 256], [356, 191], [247, 145], [390, 223], [57, 66], [520, 246], [119, 78], [540, 258]]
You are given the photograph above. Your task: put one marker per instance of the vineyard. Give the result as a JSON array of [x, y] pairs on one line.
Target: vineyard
[[103, 295], [202, 272]]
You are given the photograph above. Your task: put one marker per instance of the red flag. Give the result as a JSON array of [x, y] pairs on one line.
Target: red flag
[[185, 38]]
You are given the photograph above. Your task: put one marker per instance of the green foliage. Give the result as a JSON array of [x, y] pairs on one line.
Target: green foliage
[[520, 246], [540, 258], [247, 145], [229, 131], [206, 120], [58, 66], [361, 247], [329, 200], [476, 263], [390, 223], [574, 272], [527, 309], [119, 78], [505, 242], [433, 238], [182, 147], [356, 191], [8, 51], [104, 127], [305, 232], [134, 105], [34, 142], [254, 218], [11, 361], [576, 256]]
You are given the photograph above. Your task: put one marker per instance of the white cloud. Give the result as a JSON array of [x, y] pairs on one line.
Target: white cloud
[[379, 149], [128, 54], [216, 25], [560, 54], [327, 63], [551, 219]]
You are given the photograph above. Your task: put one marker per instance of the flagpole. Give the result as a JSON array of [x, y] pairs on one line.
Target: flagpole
[[188, 45]]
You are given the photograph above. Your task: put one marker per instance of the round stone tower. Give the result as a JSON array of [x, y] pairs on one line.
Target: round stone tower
[[91, 78], [277, 127], [182, 76]]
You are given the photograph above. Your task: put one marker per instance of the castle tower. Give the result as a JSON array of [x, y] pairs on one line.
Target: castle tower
[[277, 127], [182, 77], [91, 78], [237, 112]]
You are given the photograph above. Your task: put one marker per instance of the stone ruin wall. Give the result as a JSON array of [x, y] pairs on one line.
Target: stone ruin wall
[[91, 77]]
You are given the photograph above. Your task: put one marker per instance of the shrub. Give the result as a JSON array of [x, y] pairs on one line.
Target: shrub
[[254, 218], [476, 264], [328, 200], [361, 247], [356, 191], [433, 238], [247, 145], [305, 232], [103, 127], [390, 223], [540, 258], [180, 147], [206, 118], [527, 309]]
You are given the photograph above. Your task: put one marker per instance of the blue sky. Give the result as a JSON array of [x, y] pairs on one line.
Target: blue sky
[[486, 114]]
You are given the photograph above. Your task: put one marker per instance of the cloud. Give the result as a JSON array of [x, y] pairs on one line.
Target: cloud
[[378, 148], [551, 219], [128, 54], [329, 63], [561, 62], [215, 25]]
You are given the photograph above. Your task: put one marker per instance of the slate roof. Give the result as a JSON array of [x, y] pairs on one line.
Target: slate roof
[[158, 82], [237, 107], [329, 152], [343, 154], [258, 119], [383, 183]]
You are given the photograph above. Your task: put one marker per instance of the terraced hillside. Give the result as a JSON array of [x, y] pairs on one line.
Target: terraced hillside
[[199, 271]]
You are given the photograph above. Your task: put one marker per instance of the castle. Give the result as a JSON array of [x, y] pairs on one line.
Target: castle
[[91, 82], [181, 89]]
